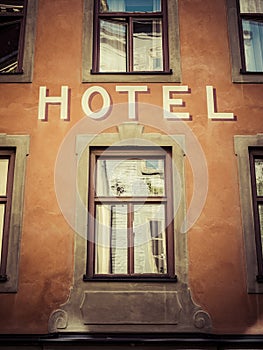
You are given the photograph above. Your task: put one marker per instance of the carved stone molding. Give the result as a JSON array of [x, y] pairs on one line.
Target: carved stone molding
[[58, 320]]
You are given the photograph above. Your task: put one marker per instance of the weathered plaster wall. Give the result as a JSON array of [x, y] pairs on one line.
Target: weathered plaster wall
[[216, 254]]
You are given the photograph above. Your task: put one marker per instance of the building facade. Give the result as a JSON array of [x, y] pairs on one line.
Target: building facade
[[131, 174]]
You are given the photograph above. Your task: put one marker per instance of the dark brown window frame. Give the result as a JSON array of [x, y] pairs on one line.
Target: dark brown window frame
[[22, 19], [7, 200], [25, 75], [253, 154], [119, 152], [241, 17], [239, 73], [129, 16]]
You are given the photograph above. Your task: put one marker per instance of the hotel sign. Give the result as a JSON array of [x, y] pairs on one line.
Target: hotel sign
[[169, 103]]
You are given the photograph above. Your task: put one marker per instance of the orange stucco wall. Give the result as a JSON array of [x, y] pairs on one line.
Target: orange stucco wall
[[215, 244]]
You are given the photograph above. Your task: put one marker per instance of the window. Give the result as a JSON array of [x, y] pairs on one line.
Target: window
[[7, 162], [17, 31], [131, 232], [245, 24], [249, 150], [13, 152], [131, 37], [256, 169], [132, 182]]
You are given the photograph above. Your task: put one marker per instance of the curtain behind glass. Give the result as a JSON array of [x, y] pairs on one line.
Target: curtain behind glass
[[253, 45]]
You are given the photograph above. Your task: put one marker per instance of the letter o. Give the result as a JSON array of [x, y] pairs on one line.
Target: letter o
[[86, 98]]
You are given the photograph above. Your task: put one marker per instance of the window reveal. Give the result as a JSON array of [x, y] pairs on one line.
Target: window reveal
[[256, 167], [130, 36], [131, 233], [12, 28]]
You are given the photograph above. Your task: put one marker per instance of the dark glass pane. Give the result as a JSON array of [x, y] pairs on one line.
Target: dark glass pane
[[147, 45], [130, 6], [9, 42], [9, 6], [253, 44]]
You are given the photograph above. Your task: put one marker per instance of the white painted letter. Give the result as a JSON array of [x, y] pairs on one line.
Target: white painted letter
[[211, 107], [44, 100], [131, 97], [168, 102], [85, 102]]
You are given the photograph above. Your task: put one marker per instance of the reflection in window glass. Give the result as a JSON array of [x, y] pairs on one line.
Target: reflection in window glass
[[112, 46], [111, 239], [130, 177], [149, 239], [2, 216], [259, 176], [130, 6], [3, 176], [253, 44], [147, 45], [251, 6]]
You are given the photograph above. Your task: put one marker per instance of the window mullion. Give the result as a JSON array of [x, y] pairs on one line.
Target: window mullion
[[130, 44], [130, 218]]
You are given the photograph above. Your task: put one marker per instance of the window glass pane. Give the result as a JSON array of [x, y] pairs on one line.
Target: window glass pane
[[112, 46], [149, 239], [253, 45], [251, 6], [259, 176], [147, 45], [130, 177], [130, 5], [111, 239], [2, 215], [9, 41], [3, 176], [260, 212]]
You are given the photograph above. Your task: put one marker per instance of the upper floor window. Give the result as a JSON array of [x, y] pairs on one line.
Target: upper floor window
[[17, 33], [251, 21], [131, 37], [130, 213], [245, 27], [12, 30], [256, 168]]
